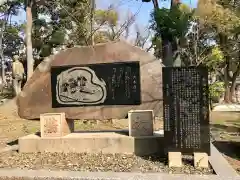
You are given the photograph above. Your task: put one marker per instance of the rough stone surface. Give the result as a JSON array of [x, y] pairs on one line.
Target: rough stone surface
[[35, 99], [140, 123], [55, 125]]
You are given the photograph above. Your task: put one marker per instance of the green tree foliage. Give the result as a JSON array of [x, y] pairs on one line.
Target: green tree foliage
[[215, 58], [216, 90], [208, 35], [170, 27], [55, 24], [222, 18], [109, 17], [62, 17], [12, 41], [109, 27], [106, 22]]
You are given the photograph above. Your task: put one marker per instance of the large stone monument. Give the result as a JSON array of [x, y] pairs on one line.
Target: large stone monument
[[186, 114], [37, 96]]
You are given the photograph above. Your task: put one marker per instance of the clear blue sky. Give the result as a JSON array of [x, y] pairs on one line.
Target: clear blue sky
[[145, 10], [125, 5]]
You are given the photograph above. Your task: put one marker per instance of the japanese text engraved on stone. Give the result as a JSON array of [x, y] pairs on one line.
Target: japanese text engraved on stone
[[80, 86], [142, 128], [186, 109], [96, 84], [51, 125]]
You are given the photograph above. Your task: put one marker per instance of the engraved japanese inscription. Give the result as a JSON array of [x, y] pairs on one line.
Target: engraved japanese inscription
[[141, 123], [51, 125], [186, 109], [80, 85], [96, 84]]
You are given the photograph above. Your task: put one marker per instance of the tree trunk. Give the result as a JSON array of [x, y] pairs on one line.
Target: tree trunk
[[226, 85], [232, 91], [3, 78], [167, 52], [223, 44], [92, 8], [233, 85], [2, 56], [155, 4], [169, 45], [227, 94], [30, 60]]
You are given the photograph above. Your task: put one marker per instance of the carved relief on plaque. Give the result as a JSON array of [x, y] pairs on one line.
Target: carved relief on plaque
[[141, 123], [80, 86], [55, 125], [142, 126], [51, 125]]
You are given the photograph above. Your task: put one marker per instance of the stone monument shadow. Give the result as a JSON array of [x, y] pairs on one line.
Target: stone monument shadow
[[226, 128], [156, 157], [229, 148], [12, 143], [121, 131]]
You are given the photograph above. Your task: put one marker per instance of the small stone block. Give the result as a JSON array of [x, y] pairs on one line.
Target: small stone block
[[140, 123], [201, 160], [175, 159], [55, 125]]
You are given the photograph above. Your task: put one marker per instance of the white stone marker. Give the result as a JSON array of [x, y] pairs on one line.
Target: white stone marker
[[174, 159], [55, 125], [140, 123], [200, 160]]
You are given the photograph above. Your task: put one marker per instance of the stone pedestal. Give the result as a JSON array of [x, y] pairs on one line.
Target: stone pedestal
[[174, 159], [97, 142], [55, 125], [201, 160], [140, 123]]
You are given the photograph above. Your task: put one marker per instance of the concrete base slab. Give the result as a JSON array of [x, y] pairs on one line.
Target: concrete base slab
[[9, 148], [100, 142], [52, 175], [220, 165]]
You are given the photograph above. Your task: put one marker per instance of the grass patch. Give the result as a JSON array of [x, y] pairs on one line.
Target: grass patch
[[81, 125], [231, 119], [7, 93], [31, 128]]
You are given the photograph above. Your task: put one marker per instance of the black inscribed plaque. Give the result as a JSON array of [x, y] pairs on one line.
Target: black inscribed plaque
[[186, 109], [96, 84]]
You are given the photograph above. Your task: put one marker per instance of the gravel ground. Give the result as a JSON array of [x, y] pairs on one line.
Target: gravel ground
[[96, 162], [12, 127]]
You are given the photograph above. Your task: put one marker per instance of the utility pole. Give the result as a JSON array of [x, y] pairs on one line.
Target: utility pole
[[92, 10], [1, 51], [5, 21], [155, 4]]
